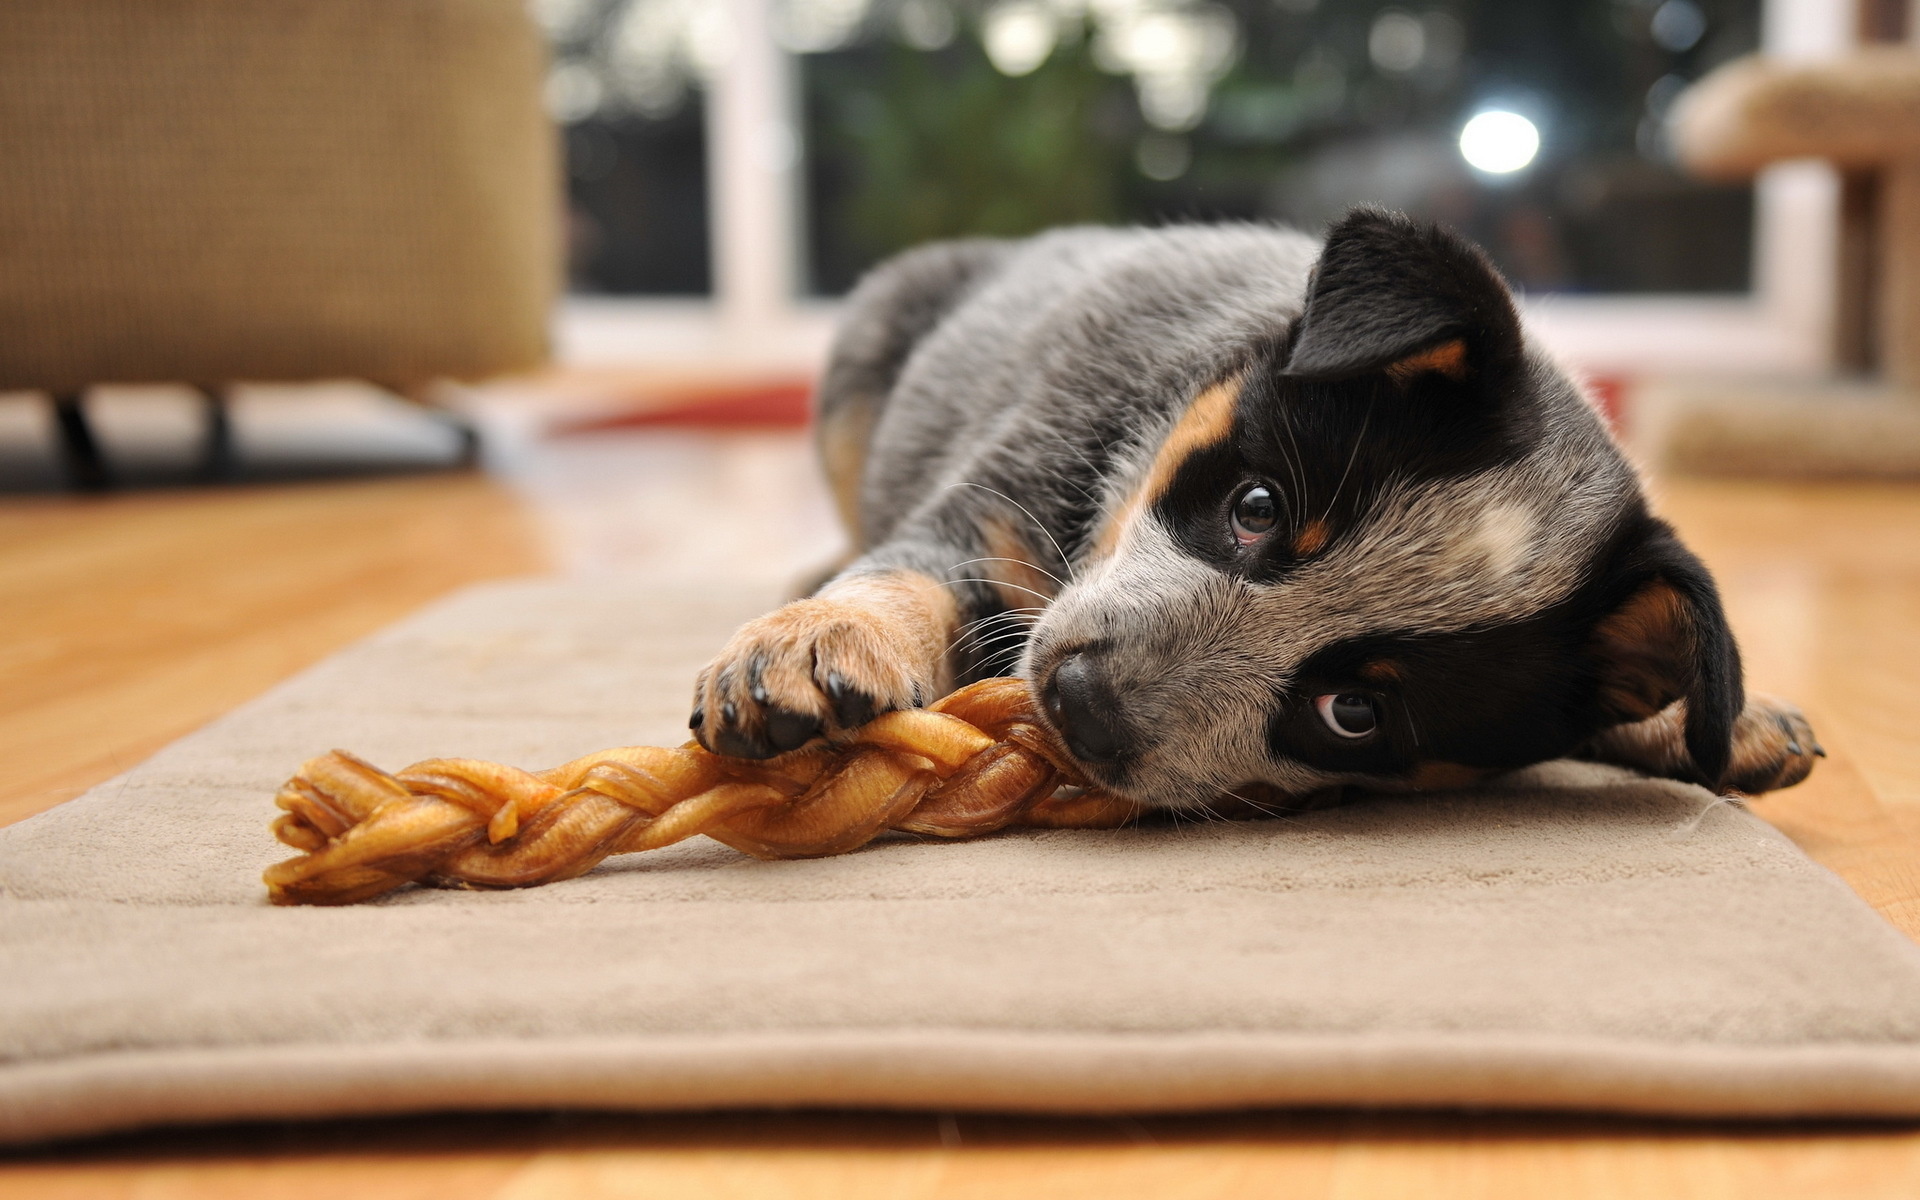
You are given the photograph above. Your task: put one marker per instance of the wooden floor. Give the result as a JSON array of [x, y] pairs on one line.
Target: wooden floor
[[129, 620], [126, 621]]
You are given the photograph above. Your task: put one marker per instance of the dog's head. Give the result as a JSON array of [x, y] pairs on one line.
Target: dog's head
[[1397, 548]]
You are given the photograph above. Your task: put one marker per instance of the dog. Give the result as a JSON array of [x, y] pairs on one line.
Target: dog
[[1253, 514]]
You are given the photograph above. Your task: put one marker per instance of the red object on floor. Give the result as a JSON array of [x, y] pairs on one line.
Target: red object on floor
[[779, 405], [787, 404], [1610, 394]]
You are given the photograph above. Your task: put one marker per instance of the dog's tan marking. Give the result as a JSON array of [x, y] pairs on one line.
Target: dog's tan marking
[[1381, 670], [843, 439], [1641, 647], [1207, 421], [1009, 564], [1448, 358], [1311, 540], [1445, 776]]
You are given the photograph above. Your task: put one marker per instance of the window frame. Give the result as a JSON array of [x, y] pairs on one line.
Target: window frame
[[757, 321]]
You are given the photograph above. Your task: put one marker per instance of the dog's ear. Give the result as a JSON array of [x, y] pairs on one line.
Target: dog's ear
[[1668, 640], [1408, 299]]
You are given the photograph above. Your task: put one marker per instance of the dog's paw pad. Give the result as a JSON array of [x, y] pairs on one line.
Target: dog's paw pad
[[788, 730]]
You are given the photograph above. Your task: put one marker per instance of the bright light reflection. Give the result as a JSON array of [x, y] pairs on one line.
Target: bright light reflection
[[1018, 36], [1499, 142]]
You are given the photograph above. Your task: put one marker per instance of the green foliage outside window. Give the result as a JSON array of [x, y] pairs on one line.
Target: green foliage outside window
[[943, 145]]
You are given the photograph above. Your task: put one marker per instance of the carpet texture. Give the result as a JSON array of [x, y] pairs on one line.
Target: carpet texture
[[1574, 938]]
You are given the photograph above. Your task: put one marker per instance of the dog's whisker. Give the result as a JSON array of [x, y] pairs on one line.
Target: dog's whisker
[[1273, 811], [998, 583], [1022, 609], [1004, 629], [1351, 459], [1087, 493], [1019, 613], [994, 628], [1023, 562], [1044, 532], [1014, 637], [986, 633], [1296, 463], [1077, 486], [982, 628]]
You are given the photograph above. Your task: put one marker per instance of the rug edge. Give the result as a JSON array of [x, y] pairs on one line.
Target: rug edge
[[958, 1070]]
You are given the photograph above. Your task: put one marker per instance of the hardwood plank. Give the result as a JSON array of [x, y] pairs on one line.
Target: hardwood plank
[[1348, 1156], [130, 620], [424, 1158], [1844, 826]]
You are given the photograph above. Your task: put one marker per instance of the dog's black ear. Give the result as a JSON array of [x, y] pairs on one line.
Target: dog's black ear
[[1668, 640], [1409, 299]]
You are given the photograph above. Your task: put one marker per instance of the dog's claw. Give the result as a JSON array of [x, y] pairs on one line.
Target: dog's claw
[[851, 708]]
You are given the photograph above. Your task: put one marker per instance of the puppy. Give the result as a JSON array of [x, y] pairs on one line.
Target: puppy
[[1254, 514]]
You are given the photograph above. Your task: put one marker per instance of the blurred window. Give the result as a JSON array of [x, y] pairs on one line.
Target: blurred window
[[626, 89], [1532, 127]]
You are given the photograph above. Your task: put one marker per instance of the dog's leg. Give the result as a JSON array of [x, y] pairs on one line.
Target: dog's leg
[[1773, 746]]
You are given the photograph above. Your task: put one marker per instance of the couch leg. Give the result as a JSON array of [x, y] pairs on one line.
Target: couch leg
[[86, 467], [218, 460], [431, 398], [469, 440]]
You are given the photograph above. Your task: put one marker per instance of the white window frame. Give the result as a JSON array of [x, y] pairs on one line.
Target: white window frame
[[756, 321]]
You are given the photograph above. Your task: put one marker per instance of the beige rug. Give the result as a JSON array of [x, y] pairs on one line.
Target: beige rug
[[1579, 939]]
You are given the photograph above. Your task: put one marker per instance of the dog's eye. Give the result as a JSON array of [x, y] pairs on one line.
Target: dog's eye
[[1254, 514], [1348, 714]]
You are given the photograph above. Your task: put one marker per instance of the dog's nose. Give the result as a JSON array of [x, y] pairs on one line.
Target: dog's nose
[[1085, 710]]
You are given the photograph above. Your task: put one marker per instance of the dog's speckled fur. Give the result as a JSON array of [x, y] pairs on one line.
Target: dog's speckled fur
[[1038, 447]]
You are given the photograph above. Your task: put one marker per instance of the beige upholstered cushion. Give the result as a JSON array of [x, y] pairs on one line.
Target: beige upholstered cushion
[[1859, 111], [210, 190]]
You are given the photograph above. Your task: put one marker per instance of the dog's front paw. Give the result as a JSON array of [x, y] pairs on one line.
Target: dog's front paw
[[814, 667], [1773, 747]]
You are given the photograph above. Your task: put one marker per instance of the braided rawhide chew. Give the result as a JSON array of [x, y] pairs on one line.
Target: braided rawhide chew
[[971, 763]]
